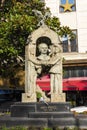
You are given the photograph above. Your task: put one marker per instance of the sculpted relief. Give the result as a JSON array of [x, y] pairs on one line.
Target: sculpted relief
[[47, 62], [43, 56]]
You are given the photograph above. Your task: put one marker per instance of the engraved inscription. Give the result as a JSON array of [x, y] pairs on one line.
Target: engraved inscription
[[48, 108]]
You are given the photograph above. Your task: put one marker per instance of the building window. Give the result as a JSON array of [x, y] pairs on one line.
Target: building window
[[70, 45], [67, 5], [75, 72]]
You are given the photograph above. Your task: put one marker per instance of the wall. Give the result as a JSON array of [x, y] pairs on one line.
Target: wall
[[75, 20]]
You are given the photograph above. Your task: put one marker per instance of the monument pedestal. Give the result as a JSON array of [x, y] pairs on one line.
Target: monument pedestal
[[26, 97], [24, 109], [58, 97], [42, 115]]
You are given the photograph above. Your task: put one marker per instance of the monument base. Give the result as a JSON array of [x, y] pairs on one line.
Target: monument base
[[58, 97], [26, 97], [42, 114]]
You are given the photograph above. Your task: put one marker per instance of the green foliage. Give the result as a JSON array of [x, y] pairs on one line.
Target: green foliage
[[39, 95], [13, 128], [17, 21], [19, 128], [53, 23], [38, 128], [25, 128], [48, 128]]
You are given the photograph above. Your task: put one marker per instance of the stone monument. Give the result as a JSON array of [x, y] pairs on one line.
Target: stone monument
[[43, 55]]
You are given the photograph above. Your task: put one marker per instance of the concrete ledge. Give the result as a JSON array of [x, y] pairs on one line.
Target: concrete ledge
[[50, 115], [15, 121], [8, 121], [62, 122]]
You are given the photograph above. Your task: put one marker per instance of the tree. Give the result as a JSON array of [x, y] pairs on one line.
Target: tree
[[17, 21]]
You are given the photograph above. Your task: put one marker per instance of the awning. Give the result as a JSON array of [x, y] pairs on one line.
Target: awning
[[76, 83], [44, 83], [69, 84]]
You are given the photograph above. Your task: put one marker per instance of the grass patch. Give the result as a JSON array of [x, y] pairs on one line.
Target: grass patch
[[38, 128]]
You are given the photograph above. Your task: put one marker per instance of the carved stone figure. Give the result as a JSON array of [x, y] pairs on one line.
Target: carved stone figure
[[56, 70], [43, 56], [43, 49], [42, 17]]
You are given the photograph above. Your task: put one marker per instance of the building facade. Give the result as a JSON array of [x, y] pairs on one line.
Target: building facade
[[73, 13]]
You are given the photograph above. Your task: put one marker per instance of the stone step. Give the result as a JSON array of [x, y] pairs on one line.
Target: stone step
[[79, 122], [82, 121], [62, 122], [24, 121], [37, 122], [50, 115]]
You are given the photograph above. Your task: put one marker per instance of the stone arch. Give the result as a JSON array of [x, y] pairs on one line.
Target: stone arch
[[32, 64], [43, 32]]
